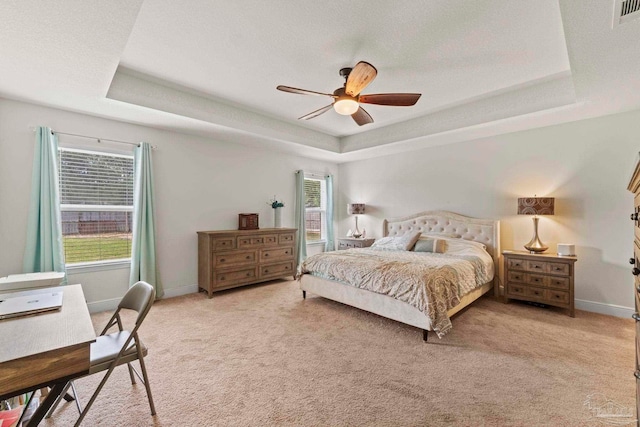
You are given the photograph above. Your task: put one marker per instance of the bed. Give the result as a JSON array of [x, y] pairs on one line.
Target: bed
[[437, 224]]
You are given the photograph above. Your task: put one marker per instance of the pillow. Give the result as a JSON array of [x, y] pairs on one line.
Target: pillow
[[442, 234], [427, 244], [400, 243]]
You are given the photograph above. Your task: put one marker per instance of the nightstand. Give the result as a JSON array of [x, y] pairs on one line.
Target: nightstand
[[350, 242], [543, 278]]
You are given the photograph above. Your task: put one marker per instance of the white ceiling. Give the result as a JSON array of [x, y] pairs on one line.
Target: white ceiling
[[211, 68]]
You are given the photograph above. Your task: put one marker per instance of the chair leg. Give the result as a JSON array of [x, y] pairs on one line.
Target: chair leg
[[133, 379], [57, 401], [146, 381], [95, 394], [76, 397]]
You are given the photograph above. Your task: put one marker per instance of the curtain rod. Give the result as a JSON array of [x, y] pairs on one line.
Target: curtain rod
[[99, 140]]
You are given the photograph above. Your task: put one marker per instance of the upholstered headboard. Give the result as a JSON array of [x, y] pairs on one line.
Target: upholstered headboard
[[486, 231]]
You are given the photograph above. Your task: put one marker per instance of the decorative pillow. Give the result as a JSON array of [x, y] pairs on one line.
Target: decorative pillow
[[400, 243], [426, 244]]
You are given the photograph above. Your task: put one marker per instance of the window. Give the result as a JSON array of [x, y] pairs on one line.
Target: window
[[315, 198], [96, 204]]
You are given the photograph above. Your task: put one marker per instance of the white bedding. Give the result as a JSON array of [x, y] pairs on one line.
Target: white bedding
[[432, 283]]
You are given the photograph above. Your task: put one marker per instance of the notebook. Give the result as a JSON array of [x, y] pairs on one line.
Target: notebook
[[30, 304]]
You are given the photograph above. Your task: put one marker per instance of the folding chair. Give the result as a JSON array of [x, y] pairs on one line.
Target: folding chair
[[119, 347]]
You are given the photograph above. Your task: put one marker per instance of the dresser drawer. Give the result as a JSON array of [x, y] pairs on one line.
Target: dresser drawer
[[537, 294], [537, 266], [286, 238], [538, 279], [276, 270], [516, 264], [559, 282], [517, 276], [232, 277], [515, 290], [226, 259], [223, 243], [559, 269], [276, 254], [250, 241], [559, 297]]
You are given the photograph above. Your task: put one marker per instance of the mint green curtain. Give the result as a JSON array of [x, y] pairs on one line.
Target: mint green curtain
[[143, 245], [330, 244], [44, 250], [299, 218]]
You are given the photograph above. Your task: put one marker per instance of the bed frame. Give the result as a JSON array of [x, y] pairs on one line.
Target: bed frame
[[485, 231]]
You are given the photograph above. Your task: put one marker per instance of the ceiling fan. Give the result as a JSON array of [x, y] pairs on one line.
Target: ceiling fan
[[347, 99]]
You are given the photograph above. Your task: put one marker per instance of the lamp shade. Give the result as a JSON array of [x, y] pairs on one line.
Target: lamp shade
[[355, 208], [536, 205]]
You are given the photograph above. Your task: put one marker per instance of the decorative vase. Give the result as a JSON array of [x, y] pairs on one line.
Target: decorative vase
[[277, 220]]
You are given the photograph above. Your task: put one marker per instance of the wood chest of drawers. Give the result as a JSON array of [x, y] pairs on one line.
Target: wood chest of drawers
[[634, 187], [232, 258], [350, 242], [543, 278]]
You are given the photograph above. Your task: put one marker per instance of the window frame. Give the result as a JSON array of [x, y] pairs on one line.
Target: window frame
[[322, 209], [100, 265]]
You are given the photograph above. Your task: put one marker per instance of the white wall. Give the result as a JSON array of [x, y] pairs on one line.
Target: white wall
[[200, 184], [585, 165]]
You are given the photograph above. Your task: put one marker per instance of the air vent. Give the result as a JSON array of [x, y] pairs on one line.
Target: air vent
[[625, 11]]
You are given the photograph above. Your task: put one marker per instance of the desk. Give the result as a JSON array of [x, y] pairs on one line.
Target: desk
[[45, 349]]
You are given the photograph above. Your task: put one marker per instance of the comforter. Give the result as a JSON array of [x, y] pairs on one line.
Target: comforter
[[433, 283]]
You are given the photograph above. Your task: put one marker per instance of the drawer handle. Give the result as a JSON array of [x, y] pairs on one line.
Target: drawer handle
[[636, 317], [222, 259], [536, 292], [266, 271], [557, 296], [635, 271], [536, 279], [637, 374], [221, 277], [536, 266], [247, 257], [248, 274], [266, 255], [286, 252], [559, 269], [287, 267], [632, 261], [634, 216]]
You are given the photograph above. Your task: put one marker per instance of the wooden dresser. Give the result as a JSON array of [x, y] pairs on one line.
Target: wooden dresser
[[351, 242], [232, 258], [543, 278], [634, 187]]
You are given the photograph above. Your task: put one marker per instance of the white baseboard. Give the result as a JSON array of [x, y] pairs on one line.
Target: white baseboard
[[180, 290], [602, 308], [104, 305], [112, 304]]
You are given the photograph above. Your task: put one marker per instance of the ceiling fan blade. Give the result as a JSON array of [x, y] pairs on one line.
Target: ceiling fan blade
[[316, 113], [302, 91], [360, 77], [361, 117], [394, 99]]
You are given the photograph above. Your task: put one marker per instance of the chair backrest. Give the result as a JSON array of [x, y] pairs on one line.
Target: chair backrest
[[139, 298]]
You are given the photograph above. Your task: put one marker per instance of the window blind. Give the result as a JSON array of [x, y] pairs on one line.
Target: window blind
[[96, 203]]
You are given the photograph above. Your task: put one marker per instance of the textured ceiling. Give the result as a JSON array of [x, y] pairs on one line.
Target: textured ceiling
[[211, 68]]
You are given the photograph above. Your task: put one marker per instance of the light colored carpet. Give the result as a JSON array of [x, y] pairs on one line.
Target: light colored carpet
[[262, 355]]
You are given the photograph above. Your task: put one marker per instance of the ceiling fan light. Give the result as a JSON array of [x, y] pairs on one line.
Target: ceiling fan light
[[346, 106]]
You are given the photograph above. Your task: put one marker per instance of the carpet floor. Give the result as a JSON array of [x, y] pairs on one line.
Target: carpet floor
[[261, 355]]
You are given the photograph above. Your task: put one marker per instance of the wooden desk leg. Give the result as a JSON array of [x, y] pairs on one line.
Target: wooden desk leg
[[42, 410]]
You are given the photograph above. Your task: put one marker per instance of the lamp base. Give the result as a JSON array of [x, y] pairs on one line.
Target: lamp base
[[535, 246]]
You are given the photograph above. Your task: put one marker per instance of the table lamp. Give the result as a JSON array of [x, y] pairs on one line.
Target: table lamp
[[356, 209], [535, 206]]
